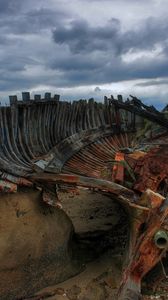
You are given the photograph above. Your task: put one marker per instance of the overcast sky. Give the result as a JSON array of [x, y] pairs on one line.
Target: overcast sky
[[85, 48]]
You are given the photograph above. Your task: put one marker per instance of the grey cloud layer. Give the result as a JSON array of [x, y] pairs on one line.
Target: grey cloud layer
[[48, 43], [9, 6], [80, 37], [96, 54]]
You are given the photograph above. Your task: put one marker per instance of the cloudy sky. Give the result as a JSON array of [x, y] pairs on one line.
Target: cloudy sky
[[85, 48]]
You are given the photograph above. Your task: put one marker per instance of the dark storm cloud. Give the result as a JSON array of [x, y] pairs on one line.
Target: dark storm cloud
[[149, 33], [114, 72], [4, 41], [7, 63], [96, 53], [152, 83], [10, 6], [32, 21], [46, 17], [76, 62], [81, 37]]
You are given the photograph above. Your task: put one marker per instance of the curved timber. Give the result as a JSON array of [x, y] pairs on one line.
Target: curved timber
[[49, 143]]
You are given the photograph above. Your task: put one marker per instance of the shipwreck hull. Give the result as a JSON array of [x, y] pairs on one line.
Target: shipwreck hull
[[55, 147]]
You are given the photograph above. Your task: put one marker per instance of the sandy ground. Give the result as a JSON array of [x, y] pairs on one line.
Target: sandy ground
[[90, 211], [100, 278], [99, 281]]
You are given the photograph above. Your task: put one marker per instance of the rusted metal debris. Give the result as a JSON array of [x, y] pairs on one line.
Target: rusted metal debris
[[49, 144], [7, 187]]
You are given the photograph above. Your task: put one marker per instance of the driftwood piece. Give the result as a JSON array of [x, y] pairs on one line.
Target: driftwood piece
[[123, 193], [140, 109]]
